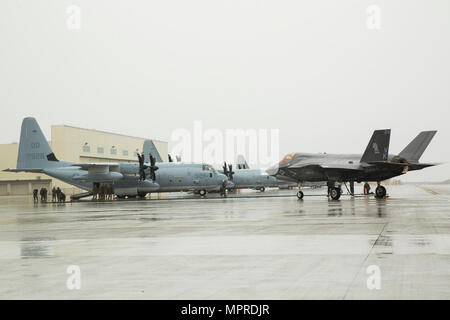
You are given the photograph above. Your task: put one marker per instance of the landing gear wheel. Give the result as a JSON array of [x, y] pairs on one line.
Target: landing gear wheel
[[300, 194], [335, 193], [262, 189], [380, 192], [202, 192], [142, 194]]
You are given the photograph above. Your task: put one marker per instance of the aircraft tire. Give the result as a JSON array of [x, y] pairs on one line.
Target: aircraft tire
[[142, 194], [380, 192], [335, 193], [262, 189], [202, 192], [300, 195]]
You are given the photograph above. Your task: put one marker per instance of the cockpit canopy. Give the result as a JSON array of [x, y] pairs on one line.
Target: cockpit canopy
[[288, 158]]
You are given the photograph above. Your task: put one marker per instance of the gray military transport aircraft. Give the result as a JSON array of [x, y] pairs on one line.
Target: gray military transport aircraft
[[128, 179], [245, 178], [376, 164]]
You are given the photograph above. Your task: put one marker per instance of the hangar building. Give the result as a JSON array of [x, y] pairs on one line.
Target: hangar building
[[71, 144]]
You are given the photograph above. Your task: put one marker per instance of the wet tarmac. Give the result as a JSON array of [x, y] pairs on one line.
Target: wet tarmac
[[248, 246]]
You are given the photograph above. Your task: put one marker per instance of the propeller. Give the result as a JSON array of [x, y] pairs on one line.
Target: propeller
[[170, 158], [142, 166], [228, 171], [153, 167], [225, 169]]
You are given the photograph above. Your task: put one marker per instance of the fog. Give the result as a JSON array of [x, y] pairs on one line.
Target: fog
[[314, 70]]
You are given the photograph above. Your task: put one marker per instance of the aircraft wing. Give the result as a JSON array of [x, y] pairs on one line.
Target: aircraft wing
[[410, 166], [95, 165], [345, 167], [320, 172], [35, 170]]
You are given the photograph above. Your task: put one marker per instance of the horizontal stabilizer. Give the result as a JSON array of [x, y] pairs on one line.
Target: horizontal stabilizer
[[378, 147], [416, 148]]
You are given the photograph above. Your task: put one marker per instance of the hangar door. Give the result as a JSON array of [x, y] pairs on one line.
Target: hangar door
[[19, 188], [22, 187], [3, 189]]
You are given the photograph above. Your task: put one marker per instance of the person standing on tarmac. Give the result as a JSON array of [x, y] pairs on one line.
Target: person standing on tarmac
[[58, 194], [53, 194], [366, 188], [41, 193], [45, 194], [35, 195]]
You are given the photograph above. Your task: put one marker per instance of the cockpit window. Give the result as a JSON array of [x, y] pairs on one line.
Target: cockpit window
[[207, 167]]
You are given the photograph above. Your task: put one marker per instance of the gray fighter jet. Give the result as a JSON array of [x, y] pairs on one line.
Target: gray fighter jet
[[127, 179], [376, 164]]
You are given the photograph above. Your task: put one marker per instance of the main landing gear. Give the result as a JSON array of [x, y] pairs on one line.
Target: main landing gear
[[335, 193], [380, 191]]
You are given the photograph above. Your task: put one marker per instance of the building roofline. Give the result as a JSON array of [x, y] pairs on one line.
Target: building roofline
[[106, 132]]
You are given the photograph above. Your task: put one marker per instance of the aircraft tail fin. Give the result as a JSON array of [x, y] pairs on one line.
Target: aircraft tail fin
[[241, 163], [414, 150], [378, 147], [149, 147], [34, 150]]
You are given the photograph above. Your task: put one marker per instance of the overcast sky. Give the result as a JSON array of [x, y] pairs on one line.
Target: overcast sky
[[313, 69]]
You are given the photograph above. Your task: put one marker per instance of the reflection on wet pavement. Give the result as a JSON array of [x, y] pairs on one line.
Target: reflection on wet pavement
[[267, 246]]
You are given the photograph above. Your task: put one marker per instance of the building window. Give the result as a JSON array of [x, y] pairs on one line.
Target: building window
[[86, 148], [113, 151], [100, 150], [125, 153]]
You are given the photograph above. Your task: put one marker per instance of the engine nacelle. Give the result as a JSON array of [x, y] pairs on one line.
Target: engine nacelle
[[99, 177]]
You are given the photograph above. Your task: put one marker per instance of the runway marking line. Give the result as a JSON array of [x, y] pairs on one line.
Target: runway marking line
[[435, 193]]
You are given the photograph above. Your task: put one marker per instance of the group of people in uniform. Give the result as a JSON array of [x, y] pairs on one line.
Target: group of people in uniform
[[57, 195], [102, 191]]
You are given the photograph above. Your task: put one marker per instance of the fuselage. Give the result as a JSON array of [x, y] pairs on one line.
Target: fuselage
[[301, 167], [169, 177]]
